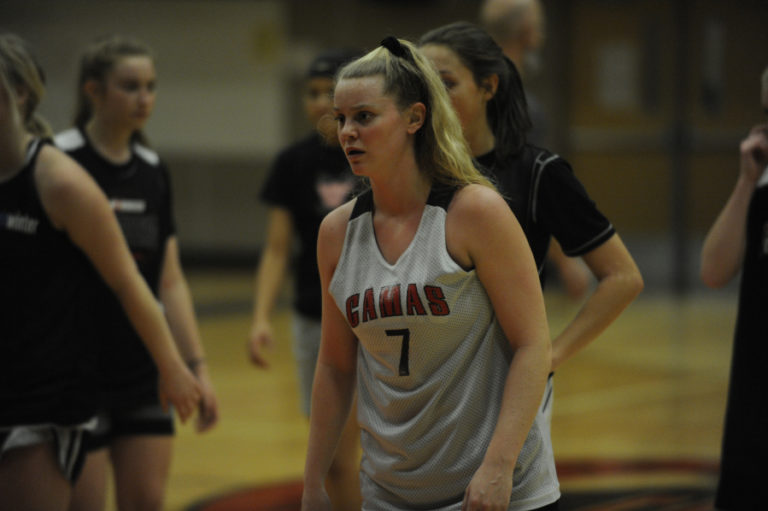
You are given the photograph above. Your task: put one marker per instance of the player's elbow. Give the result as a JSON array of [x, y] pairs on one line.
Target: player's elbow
[[712, 278], [626, 284], [635, 283]]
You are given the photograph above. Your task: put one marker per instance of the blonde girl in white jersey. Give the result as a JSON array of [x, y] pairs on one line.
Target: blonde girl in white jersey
[[397, 128]]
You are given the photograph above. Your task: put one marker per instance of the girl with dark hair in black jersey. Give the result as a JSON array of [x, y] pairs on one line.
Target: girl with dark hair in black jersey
[[56, 226], [540, 187]]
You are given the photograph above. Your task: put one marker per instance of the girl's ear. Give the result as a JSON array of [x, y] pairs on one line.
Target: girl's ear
[[92, 88], [416, 115], [21, 95], [490, 85]]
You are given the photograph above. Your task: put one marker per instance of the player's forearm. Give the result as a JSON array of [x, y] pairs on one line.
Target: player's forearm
[[611, 296], [723, 247], [268, 281], [523, 392], [331, 402], [180, 313], [145, 315]]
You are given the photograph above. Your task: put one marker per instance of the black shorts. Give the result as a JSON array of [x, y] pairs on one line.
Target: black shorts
[[137, 421]]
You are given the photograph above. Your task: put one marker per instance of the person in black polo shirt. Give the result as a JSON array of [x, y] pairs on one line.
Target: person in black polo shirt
[[307, 180]]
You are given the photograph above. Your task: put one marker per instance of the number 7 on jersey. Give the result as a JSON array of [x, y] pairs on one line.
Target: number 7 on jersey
[[406, 335]]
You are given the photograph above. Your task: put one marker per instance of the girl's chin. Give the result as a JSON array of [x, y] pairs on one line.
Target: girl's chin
[[139, 121]]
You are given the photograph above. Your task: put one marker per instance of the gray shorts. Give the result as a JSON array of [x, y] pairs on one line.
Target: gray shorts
[[306, 347], [67, 442]]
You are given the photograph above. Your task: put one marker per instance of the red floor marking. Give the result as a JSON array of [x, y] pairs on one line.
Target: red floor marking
[[576, 468], [287, 496], [277, 497]]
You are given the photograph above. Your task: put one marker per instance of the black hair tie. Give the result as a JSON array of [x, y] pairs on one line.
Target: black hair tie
[[395, 47]]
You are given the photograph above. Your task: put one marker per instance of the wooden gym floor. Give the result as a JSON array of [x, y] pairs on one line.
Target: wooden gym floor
[[640, 409]]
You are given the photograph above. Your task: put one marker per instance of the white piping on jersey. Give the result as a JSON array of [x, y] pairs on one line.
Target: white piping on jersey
[[763, 179], [584, 245], [31, 151], [146, 154], [69, 140], [539, 165]]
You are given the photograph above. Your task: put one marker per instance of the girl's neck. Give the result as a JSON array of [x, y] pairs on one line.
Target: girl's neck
[[401, 193], [13, 152], [114, 143], [481, 140]]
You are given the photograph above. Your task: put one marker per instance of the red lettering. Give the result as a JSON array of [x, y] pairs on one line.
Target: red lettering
[[413, 304], [389, 301], [369, 305], [352, 316], [436, 298]]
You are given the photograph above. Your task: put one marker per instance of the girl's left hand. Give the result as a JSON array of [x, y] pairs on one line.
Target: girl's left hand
[[315, 501], [180, 388], [208, 409], [489, 490]]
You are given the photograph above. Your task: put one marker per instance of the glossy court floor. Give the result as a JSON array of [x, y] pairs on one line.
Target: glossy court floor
[[641, 408]]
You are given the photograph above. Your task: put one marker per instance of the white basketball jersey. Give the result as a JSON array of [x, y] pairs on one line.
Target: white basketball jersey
[[432, 365]]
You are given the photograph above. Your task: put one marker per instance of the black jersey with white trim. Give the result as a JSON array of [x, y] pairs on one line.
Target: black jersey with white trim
[[139, 192], [44, 376], [548, 200]]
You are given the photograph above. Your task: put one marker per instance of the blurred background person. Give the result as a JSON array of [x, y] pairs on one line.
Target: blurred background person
[[54, 224], [116, 96], [738, 242], [539, 186], [519, 28], [307, 180]]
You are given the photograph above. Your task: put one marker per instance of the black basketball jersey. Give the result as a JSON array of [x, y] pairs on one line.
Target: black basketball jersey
[[43, 346], [140, 194], [548, 200], [745, 445]]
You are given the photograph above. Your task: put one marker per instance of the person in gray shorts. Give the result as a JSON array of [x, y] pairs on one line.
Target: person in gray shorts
[[307, 180]]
